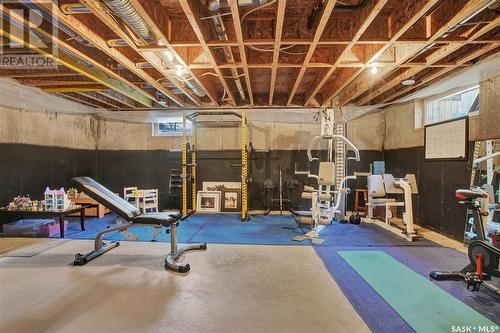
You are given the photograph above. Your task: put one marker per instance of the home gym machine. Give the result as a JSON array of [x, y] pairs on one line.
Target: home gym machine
[[484, 257], [327, 198], [191, 178], [378, 187]]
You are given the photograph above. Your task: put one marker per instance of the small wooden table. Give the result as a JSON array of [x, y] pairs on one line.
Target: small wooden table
[[94, 209], [5, 214], [357, 205]]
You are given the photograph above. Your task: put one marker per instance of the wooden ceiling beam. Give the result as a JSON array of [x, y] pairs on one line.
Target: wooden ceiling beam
[[77, 100], [470, 57], [100, 43], [72, 64], [118, 98], [18, 75], [355, 89], [325, 16], [55, 83], [158, 32], [95, 88], [377, 8], [280, 18], [98, 98], [102, 13], [411, 21], [326, 42], [321, 65], [239, 36], [431, 59], [196, 24]]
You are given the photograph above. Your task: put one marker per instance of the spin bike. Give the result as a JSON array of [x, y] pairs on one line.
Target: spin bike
[[483, 256]]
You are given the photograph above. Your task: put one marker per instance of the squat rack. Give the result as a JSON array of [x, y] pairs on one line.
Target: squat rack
[[244, 160]]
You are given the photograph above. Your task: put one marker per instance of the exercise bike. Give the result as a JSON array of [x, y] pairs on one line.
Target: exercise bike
[[484, 257]]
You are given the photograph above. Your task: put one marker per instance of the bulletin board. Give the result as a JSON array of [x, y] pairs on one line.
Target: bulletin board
[[447, 140]]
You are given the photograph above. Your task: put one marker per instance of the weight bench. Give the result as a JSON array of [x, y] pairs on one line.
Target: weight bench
[[131, 215]]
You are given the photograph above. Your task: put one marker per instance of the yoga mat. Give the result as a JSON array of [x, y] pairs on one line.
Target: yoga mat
[[424, 306]]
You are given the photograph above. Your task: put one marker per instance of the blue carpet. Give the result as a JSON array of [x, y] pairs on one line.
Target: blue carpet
[[205, 228]]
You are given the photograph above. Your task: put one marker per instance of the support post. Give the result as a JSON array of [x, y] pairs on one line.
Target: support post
[[244, 167]]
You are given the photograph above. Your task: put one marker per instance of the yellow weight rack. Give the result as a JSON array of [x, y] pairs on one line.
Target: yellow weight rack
[[244, 166], [184, 167], [244, 161]]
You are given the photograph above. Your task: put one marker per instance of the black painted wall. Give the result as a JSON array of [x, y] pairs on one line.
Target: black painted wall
[[27, 169]]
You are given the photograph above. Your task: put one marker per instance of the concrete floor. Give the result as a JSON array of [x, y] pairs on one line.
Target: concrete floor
[[231, 288]]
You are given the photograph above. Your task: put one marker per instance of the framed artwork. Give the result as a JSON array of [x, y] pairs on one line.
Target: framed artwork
[[231, 200], [219, 186], [208, 201]]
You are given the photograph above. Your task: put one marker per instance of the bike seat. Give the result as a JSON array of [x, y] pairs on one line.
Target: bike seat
[[464, 194]]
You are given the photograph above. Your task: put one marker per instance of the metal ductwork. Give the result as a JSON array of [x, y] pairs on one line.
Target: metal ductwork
[[129, 14], [220, 30]]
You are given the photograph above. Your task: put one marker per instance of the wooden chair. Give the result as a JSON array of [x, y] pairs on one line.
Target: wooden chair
[[128, 195], [148, 203]]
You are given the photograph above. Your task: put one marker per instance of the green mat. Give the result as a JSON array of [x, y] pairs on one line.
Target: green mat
[[423, 305]]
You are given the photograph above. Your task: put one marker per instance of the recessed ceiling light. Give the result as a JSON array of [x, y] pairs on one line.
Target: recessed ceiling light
[[374, 70], [409, 82]]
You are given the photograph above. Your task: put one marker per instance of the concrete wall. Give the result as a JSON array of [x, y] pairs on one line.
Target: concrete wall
[[367, 133], [489, 114], [47, 129]]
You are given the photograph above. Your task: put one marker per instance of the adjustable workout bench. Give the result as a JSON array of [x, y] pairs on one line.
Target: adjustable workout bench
[[131, 215]]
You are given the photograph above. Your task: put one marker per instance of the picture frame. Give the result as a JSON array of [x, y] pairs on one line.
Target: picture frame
[[208, 201], [231, 200], [219, 186]]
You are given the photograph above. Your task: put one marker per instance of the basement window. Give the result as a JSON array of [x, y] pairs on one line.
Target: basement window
[[170, 127], [454, 105]]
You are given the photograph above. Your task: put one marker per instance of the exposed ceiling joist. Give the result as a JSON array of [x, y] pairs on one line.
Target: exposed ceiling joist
[[195, 22], [367, 22], [70, 63], [118, 98], [280, 18], [433, 58], [441, 73], [325, 16], [76, 99], [100, 43], [99, 99], [239, 36], [411, 21], [98, 9], [361, 85], [95, 88]]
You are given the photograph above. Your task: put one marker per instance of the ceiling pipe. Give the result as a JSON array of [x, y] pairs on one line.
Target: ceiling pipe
[[129, 14], [220, 29]]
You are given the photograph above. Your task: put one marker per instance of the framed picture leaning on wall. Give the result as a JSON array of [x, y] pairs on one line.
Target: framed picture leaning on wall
[[208, 201], [231, 200]]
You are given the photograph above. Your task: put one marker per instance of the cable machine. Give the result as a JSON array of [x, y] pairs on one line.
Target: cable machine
[[191, 146]]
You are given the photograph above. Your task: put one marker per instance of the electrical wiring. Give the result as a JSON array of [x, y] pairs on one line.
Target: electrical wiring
[[257, 8]]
